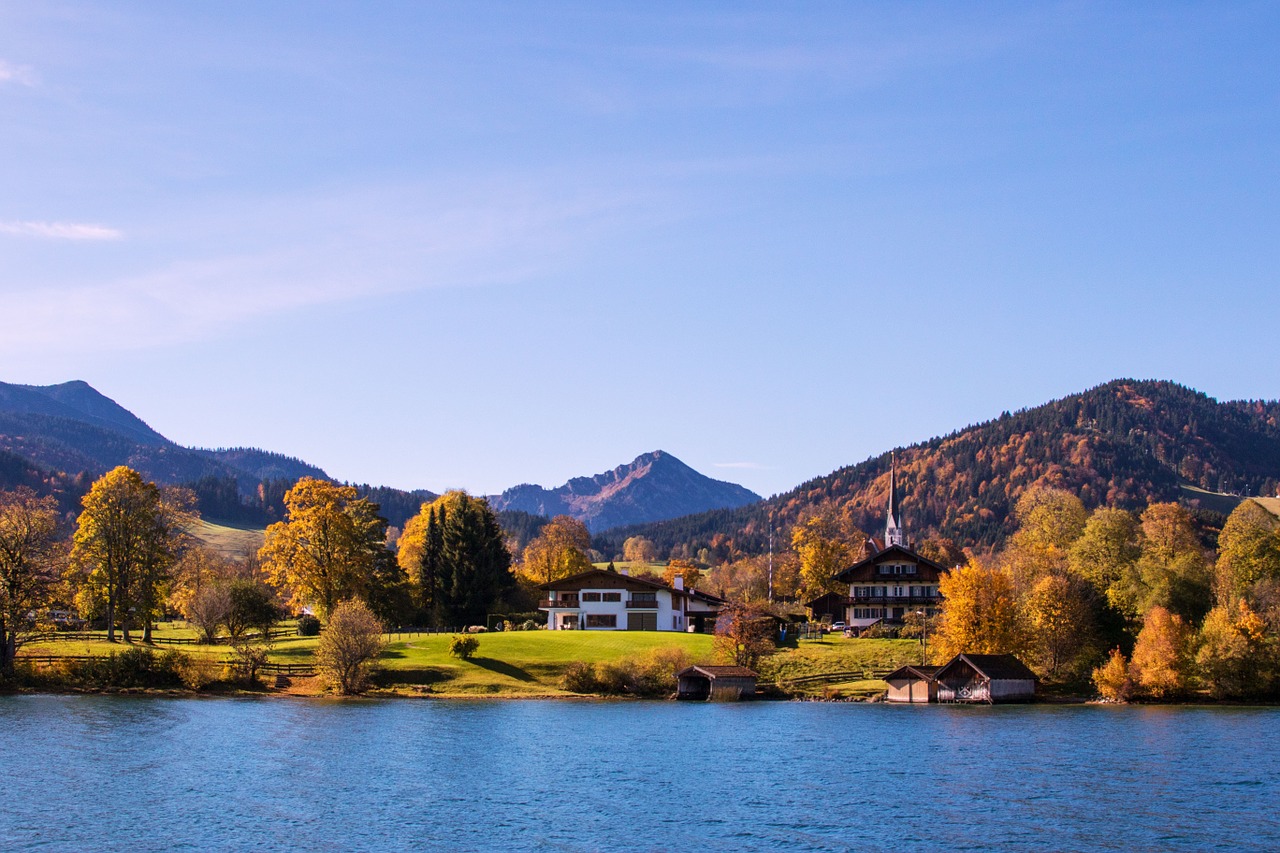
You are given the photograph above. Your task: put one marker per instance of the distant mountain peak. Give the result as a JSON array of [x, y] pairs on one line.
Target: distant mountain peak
[[652, 487]]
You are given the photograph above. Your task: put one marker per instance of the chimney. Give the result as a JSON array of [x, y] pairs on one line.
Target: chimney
[[624, 571], [679, 582]]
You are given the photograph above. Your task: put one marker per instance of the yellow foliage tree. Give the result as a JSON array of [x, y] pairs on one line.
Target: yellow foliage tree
[[558, 551], [1161, 665], [1112, 678], [127, 540], [327, 547], [823, 548], [979, 613]]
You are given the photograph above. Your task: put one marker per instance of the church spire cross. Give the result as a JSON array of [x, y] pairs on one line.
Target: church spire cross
[[893, 532]]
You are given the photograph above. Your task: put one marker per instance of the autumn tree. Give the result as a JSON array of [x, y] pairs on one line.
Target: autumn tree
[[1112, 678], [823, 545], [1049, 522], [1061, 625], [349, 646], [744, 634], [200, 567], [31, 558], [980, 613], [688, 573], [1172, 568], [1236, 657], [250, 606], [127, 540], [208, 608], [637, 549], [326, 548], [558, 551], [1161, 664], [943, 551], [1248, 551], [1106, 555], [747, 578]]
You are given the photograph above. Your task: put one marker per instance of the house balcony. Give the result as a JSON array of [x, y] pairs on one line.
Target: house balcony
[[562, 602], [641, 604], [898, 600]]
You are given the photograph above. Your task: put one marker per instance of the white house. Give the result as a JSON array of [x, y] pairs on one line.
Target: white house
[[601, 600]]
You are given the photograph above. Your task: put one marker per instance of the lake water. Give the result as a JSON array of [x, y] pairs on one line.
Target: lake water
[[80, 773]]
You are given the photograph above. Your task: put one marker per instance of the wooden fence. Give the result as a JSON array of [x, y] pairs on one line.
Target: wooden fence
[[833, 677], [83, 636]]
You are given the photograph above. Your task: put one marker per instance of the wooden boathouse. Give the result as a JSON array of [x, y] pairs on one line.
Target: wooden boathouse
[[985, 678], [716, 683]]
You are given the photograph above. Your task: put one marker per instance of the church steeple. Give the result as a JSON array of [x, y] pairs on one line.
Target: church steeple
[[893, 532]]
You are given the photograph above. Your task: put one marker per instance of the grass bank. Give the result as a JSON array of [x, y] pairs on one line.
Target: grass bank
[[522, 664]]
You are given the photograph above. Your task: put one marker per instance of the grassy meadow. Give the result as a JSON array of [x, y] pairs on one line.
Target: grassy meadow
[[232, 541], [531, 663]]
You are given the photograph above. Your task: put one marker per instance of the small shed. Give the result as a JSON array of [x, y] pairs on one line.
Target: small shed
[[985, 678], [716, 683], [913, 684]]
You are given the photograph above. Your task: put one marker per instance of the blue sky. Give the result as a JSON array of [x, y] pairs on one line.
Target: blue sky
[[478, 244]]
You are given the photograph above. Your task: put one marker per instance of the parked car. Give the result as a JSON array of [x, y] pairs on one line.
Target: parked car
[[838, 627]]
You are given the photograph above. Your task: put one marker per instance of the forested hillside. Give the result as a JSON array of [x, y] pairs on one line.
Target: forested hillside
[[1125, 443]]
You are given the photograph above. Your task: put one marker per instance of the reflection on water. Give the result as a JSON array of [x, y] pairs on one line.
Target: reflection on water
[[114, 773]]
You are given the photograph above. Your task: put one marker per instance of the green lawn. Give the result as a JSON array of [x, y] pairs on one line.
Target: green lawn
[[838, 654], [530, 663], [521, 662]]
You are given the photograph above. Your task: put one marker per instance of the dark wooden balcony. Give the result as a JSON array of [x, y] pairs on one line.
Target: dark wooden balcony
[[563, 601], [642, 604], [898, 600]]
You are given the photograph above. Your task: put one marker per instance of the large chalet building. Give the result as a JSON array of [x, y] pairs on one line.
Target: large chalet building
[[889, 582], [599, 600]]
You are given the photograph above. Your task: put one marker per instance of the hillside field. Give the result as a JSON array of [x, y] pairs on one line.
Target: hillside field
[[232, 541]]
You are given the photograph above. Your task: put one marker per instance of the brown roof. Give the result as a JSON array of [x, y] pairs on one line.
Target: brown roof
[[613, 576], [925, 672], [720, 672], [992, 666], [882, 556]]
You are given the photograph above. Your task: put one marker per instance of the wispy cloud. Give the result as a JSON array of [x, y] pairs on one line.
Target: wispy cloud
[[61, 230], [23, 75], [752, 466], [204, 275]]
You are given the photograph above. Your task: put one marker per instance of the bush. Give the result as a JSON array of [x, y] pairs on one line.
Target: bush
[[529, 625], [198, 673], [1112, 678], [136, 667], [463, 647], [579, 677], [308, 626], [655, 673], [880, 631], [349, 646]]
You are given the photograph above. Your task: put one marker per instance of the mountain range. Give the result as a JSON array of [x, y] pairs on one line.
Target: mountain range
[[653, 487], [59, 438], [1126, 443]]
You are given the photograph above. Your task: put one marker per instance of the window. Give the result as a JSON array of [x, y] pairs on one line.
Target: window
[[651, 597], [602, 620], [911, 569], [611, 596], [591, 596], [897, 591]]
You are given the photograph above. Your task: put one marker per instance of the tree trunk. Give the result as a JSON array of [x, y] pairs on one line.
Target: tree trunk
[[8, 649], [111, 619], [146, 630]]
